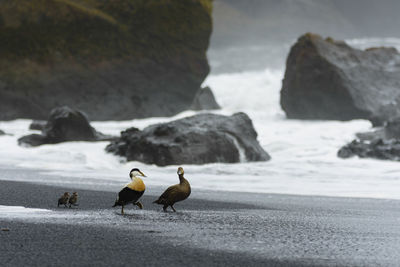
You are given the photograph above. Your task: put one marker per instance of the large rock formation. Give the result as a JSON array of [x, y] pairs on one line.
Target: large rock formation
[[327, 79], [64, 125], [382, 143], [204, 100], [119, 59], [199, 139]]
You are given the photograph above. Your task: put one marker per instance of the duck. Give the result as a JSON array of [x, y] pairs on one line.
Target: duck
[[73, 199], [132, 191], [63, 200], [175, 193]]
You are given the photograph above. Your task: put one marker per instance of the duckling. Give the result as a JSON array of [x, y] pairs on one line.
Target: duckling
[[73, 199], [132, 191], [63, 200], [175, 193]]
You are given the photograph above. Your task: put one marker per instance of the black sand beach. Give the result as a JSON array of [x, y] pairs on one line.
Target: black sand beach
[[209, 229]]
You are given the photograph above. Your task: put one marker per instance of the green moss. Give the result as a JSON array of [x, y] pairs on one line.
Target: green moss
[[311, 36], [98, 30], [330, 40]]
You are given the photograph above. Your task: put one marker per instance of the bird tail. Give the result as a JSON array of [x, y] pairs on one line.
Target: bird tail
[[158, 201], [115, 204]]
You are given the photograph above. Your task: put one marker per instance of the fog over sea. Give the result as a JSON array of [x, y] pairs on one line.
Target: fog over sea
[[303, 153]]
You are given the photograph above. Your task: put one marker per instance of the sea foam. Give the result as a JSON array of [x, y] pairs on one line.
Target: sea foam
[[303, 153]]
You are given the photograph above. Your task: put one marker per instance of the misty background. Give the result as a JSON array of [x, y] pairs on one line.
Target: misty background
[[255, 34]]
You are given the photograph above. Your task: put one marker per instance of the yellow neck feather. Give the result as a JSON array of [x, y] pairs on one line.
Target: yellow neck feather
[[136, 184]]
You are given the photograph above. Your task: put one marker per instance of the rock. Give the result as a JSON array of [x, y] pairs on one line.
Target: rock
[[2, 132], [391, 129], [379, 149], [34, 140], [204, 100], [327, 79], [382, 143], [102, 57], [200, 139], [37, 125], [64, 124]]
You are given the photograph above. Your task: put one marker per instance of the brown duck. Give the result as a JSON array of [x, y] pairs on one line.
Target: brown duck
[[175, 193], [63, 200], [73, 200]]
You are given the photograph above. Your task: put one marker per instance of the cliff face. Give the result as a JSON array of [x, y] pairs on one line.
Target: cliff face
[[118, 59]]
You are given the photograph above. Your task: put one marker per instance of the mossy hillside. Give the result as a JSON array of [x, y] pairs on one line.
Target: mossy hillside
[[113, 59], [96, 30]]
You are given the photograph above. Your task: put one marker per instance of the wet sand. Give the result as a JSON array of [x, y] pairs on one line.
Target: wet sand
[[209, 229]]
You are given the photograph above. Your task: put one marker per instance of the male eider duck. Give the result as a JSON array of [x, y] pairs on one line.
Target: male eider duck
[[73, 199], [175, 193], [63, 200], [132, 191]]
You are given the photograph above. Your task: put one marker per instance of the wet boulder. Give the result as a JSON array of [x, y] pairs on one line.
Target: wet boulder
[[37, 125], [200, 139], [64, 124], [204, 100], [382, 143], [378, 149], [329, 80]]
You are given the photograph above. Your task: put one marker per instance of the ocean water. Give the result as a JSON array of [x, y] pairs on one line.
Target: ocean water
[[304, 160]]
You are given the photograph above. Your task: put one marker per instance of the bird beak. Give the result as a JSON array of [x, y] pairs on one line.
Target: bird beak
[[143, 174]]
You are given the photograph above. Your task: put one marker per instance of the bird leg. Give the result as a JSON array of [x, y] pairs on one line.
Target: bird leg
[[165, 208], [172, 207], [140, 205], [122, 210]]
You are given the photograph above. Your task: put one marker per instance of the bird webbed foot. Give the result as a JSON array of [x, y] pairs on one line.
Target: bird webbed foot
[[139, 204]]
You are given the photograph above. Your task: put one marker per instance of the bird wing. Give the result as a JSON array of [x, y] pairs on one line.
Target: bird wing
[[170, 192], [129, 195]]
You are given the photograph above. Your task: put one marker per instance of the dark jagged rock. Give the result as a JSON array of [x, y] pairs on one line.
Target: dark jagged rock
[[378, 149], [2, 133], [204, 100], [327, 79], [37, 125], [64, 124], [382, 143], [199, 139], [116, 60], [391, 129]]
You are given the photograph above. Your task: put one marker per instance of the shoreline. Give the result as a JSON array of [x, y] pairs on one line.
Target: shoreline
[[245, 229], [52, 179]]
